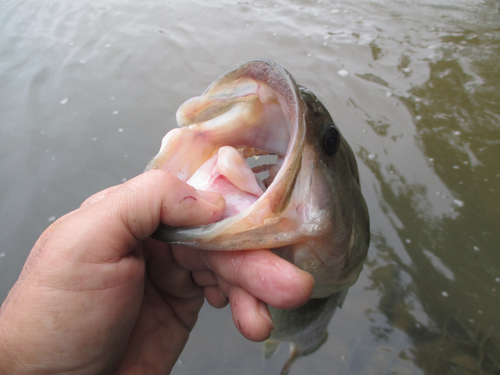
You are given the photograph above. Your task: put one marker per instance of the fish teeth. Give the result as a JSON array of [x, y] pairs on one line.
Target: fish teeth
[[262, 168], [248, 151]]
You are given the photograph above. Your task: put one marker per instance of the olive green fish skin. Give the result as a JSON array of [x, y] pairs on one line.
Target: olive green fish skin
[[312, 214]]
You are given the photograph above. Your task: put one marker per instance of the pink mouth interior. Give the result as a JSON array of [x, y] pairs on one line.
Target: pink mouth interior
[[228, 174], [223, 127]]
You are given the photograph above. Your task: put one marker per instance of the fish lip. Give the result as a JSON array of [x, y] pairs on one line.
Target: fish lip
[[279, 192], [262, 70]]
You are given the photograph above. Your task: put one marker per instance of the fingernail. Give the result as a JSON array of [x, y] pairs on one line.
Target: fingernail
[[210, 196], [264, 312], [305, 273], [311, 277], [223, 297]]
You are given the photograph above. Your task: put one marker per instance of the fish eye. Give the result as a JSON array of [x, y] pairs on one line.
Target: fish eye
[[331, 140]]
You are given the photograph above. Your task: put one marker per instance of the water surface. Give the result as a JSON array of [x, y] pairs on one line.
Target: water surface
[[88, 89]]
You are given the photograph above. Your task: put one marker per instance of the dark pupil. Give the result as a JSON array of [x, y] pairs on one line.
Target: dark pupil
[[331, 141]]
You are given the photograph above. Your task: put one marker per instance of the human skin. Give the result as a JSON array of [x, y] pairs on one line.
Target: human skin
[[97, 295]]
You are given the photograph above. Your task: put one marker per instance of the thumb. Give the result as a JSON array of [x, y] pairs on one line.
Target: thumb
[[119, 217], [159, 197]]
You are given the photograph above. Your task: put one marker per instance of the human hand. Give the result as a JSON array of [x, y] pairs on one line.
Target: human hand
[[97, 295]]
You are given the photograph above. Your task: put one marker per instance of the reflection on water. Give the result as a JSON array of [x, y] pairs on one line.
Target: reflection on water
[[87, 90]]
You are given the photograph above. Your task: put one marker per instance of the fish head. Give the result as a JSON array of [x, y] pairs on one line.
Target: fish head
[[334, 232], [309, 210]]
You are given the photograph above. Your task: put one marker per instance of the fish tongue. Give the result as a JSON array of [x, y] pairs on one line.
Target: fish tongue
[[232, 165], [228, 174]]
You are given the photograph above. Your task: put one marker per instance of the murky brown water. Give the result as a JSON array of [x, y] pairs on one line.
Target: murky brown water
[[87, 90]]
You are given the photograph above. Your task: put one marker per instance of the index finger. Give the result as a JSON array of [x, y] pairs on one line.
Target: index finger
[[262, 273]]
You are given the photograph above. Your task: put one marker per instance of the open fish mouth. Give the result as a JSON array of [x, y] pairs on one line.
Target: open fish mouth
[[252, 111], [308, 208]]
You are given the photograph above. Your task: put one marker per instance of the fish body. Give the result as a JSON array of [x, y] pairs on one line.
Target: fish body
[[309, 209], [305, 328]]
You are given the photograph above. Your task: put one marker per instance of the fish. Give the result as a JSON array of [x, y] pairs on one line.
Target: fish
[[303, 201]]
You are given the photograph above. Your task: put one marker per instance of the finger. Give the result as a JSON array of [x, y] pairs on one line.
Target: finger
[[99, 196], [190, 258], [261, 272], [204, 278], [250, 316], [215, 297], [271, 278], [132, 211], [213, 293], [166, 275], [158, 196]]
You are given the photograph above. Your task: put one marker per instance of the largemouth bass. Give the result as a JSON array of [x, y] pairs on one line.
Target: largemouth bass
[[307, 208]]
